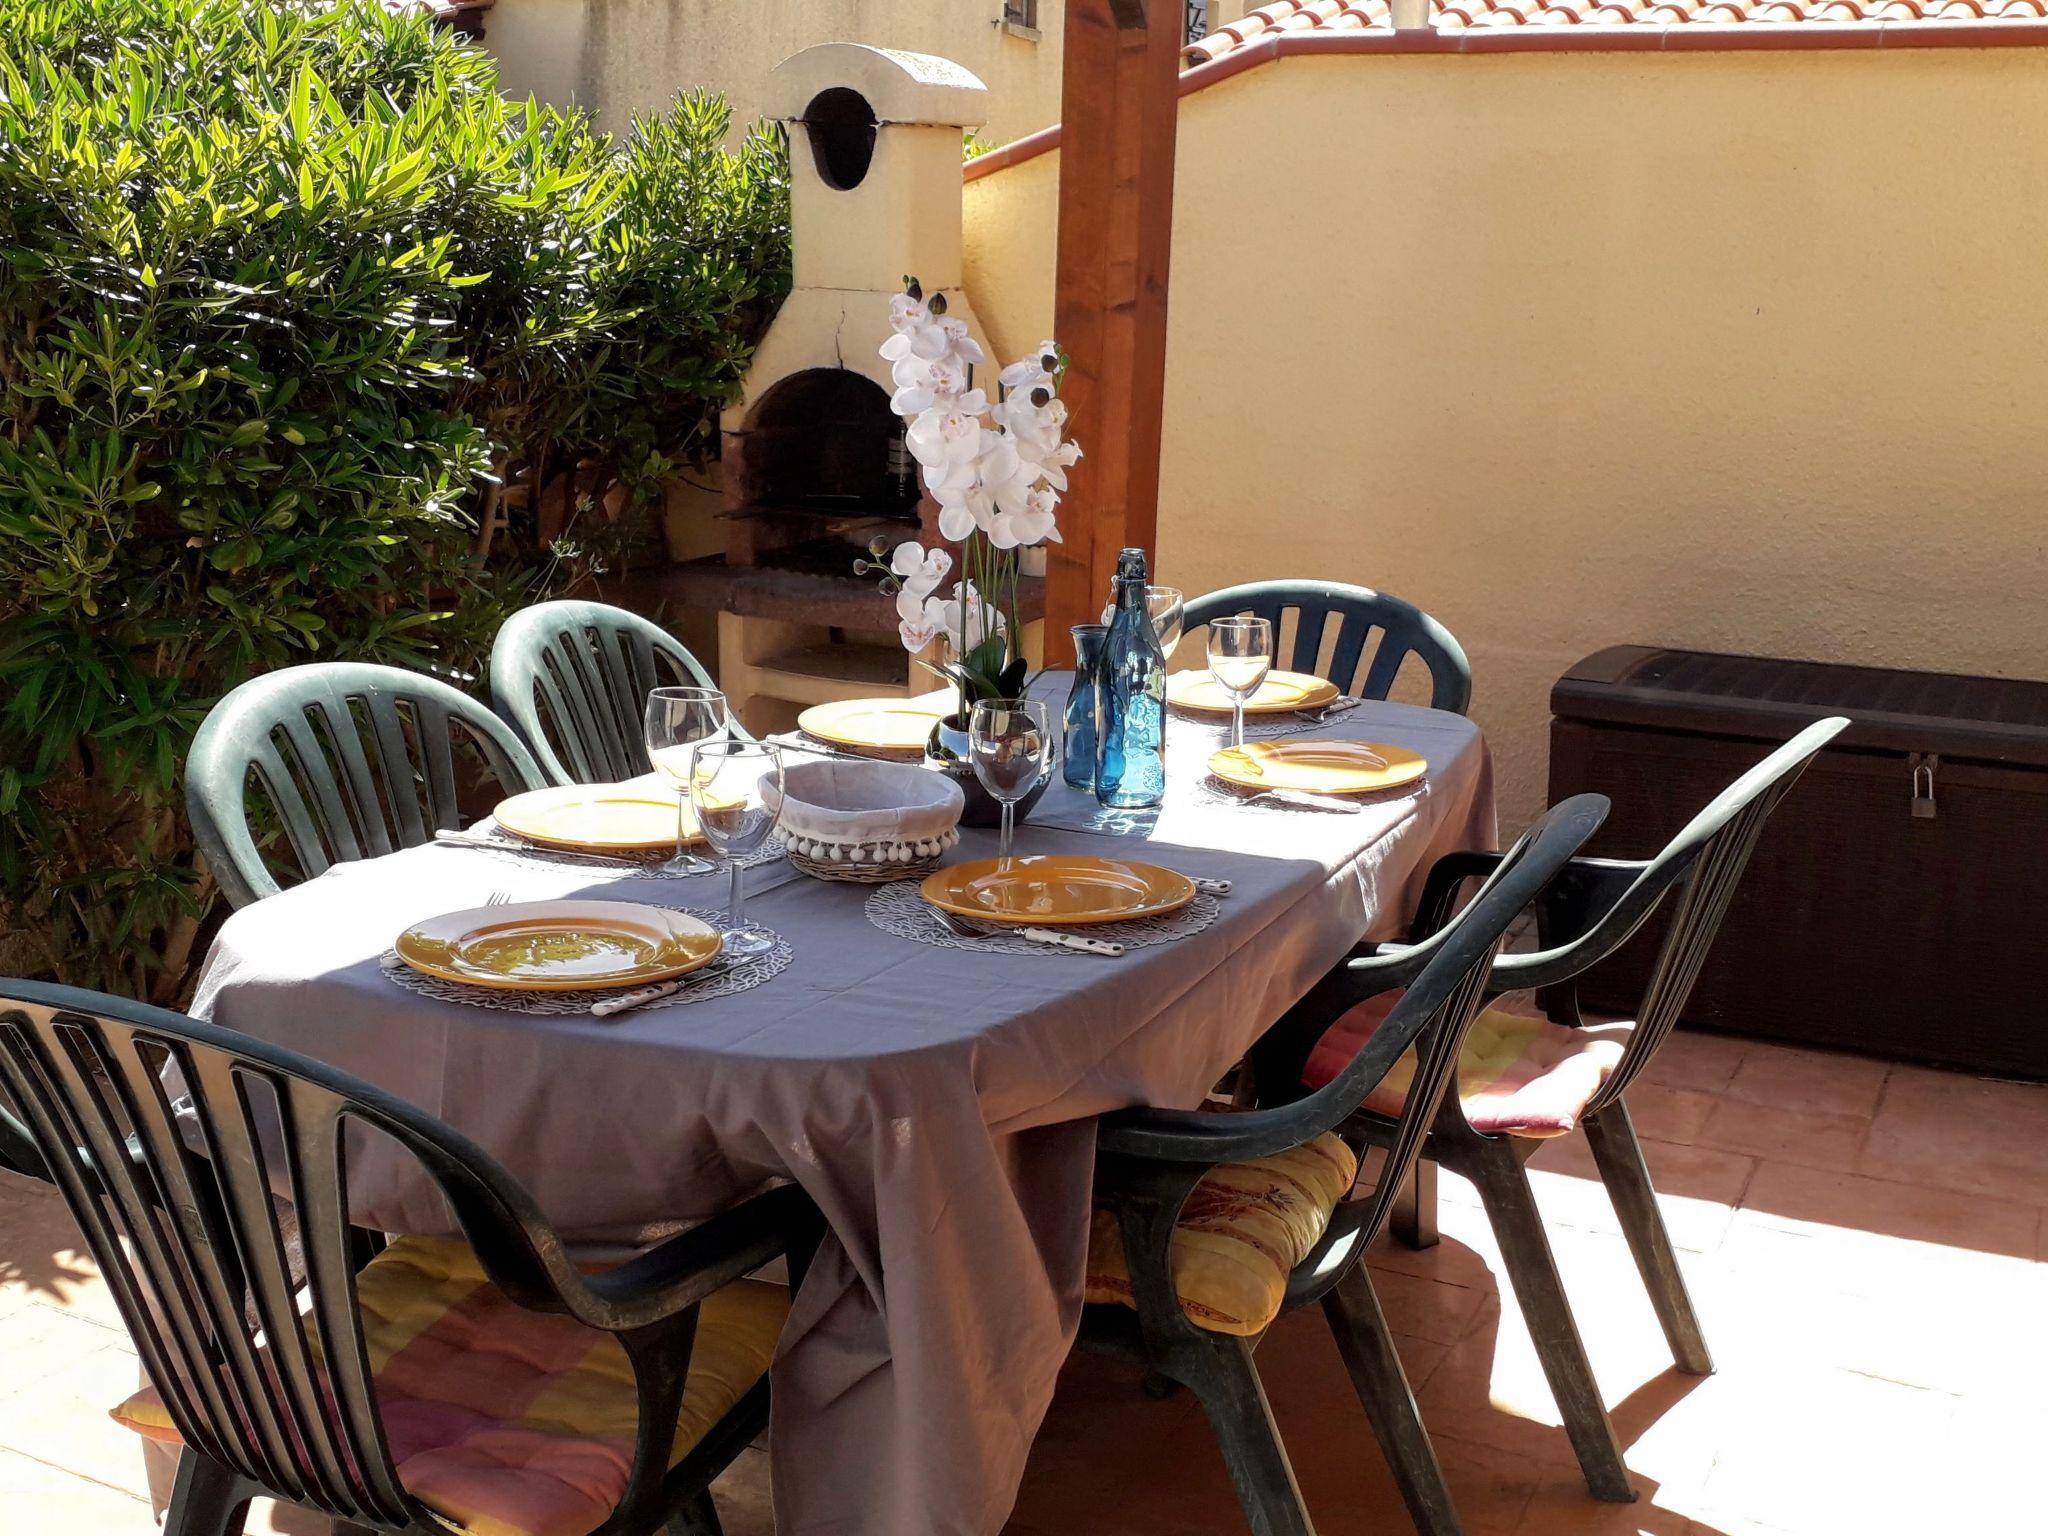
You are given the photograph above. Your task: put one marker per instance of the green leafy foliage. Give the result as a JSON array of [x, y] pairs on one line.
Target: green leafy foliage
[[289, 295]]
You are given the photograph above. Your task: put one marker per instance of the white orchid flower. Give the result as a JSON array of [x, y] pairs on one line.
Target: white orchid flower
[[906, 313], [919, 569], [1038, 523], [920, 628], [1052, 465], [918, 334], [946, 435], [982, 620], [964, 346], [923, 384]]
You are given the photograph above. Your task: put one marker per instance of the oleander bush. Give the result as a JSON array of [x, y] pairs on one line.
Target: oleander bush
[[312, 345]]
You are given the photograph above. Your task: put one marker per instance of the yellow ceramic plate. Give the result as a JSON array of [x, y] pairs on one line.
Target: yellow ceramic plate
[[1057, 888], [877, 725], [1281, 693], [560, 946], [626, 818], [1318, 767]]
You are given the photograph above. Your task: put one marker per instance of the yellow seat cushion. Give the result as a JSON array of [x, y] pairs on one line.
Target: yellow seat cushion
[[518, 1423], [1242, 1231], [1519, 1074]]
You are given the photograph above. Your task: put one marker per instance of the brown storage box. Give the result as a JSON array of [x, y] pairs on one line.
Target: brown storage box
[[1899, 897]]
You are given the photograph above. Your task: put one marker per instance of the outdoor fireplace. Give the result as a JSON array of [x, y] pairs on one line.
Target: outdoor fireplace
[[814, 462]]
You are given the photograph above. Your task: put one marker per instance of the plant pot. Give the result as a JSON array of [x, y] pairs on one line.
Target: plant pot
[[946, 752]]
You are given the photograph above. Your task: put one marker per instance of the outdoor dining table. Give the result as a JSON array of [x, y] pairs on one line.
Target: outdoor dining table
[[938, 1103]]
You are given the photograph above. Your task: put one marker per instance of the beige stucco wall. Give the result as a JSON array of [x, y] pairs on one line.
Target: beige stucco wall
[[1731, 350], [618, 57]]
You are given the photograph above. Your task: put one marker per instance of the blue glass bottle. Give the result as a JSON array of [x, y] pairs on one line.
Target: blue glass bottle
[[1077, 761], [1130, 726]]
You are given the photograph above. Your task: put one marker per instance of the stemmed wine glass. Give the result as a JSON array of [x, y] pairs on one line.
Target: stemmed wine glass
[[1010, 743], [1240, 655], [676, 720], [1165, 606], [728, 780]]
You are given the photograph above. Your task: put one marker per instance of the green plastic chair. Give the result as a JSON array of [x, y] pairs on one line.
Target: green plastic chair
[[357, 760], [1149, 1163], [272, 1397], [1404, 630], [572, 678], [1594, 906]]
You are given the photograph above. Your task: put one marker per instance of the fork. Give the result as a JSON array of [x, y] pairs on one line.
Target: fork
[[497, 899], [961, 927]]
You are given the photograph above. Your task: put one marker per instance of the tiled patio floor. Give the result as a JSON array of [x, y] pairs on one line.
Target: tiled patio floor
[[1868, 1246]]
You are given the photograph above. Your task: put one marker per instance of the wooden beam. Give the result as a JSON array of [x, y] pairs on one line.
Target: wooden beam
[[1117, 102]]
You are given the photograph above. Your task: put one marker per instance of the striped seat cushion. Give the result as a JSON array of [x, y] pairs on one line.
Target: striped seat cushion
[[1242, 1231], [1519, 1074], [517, 1423]]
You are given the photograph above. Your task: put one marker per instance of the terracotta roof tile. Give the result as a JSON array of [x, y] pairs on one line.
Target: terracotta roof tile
[[1287, 16]]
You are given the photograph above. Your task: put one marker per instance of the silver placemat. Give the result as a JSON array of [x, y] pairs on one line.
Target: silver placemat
[[713, 981], [900, 910], [512, 847]]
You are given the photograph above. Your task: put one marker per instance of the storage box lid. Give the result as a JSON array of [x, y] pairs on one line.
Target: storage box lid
[[1995, 719]]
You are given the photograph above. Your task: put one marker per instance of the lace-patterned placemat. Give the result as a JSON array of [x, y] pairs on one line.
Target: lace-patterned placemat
[[898, 909], [1215, 729], [504, 843], [715, 980]]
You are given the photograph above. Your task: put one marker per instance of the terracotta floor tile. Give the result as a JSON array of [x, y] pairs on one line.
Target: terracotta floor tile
[[1692, 1059], [1664, 1113], [1428, 1309], [1793, 1135], [1963, 1133], [1566, 1509], [1697, 1187], [38, 1343], [1772, 1297], [41, 1500], [43, 1257], [1786, 1194], [62, 1420], [1451, 1260], [1833, 1451], [1819, 1082]]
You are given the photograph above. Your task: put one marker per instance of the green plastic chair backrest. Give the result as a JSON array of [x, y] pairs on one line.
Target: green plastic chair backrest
[[1700, 870], [573, 679], [175, 1189], [1362, 669], [356, 759]]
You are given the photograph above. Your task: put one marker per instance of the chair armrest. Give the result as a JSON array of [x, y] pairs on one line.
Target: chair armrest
[[1201, 1136], [1440, 888], [1583, 894], [667, 1280]]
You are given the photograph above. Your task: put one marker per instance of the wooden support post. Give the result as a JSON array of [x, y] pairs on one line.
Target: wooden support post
[[1118, 96]]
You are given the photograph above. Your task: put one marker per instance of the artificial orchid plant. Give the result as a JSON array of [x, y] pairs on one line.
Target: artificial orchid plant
[[996, 472]]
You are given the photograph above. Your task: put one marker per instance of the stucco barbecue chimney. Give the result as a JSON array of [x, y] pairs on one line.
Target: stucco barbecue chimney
[[814, 464]]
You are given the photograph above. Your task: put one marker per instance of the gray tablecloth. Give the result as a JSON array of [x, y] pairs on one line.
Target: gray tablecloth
[[937, 1103]]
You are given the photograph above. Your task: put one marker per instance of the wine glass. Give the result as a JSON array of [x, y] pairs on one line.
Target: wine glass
[[1010, 744], [728, 780], [676, 720], [1240, 655], [1164, 605]]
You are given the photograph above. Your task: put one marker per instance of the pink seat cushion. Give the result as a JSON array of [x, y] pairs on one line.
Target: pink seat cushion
[[1519, 1074]]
